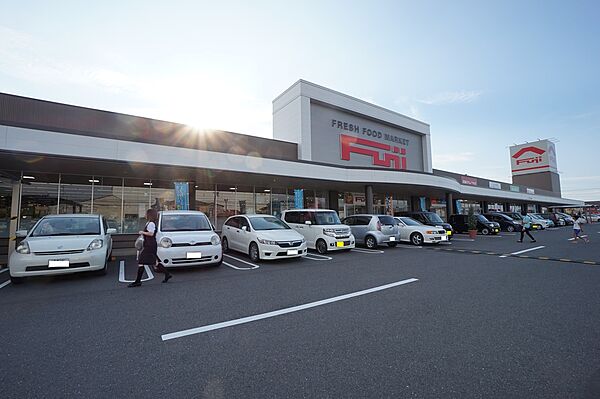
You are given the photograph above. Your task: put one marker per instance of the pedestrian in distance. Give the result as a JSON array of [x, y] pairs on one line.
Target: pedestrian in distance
[[526, 227], [147, 255], [578, 229]]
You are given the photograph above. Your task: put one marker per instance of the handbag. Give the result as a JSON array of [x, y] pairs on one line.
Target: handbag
[[139, 242]]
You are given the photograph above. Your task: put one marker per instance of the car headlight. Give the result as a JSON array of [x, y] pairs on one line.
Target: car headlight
[[215, 240], [303, 240], [23, 248], [166, 242], [267, 242], [329, 232], [430, 232], [97, 243]]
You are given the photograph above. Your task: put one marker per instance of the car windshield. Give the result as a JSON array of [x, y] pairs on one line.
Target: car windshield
[[538, 217], [410, 222], [434, 218], [184, 222], [67, 226], [482, 219], [268, 223], [387, 220], [325, 218]]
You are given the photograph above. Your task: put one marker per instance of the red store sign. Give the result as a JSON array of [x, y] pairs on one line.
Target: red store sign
[[469, 181]]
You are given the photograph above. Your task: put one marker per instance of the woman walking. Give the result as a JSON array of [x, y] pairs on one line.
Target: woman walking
[[147, 255], [578, 229], [526, 227]]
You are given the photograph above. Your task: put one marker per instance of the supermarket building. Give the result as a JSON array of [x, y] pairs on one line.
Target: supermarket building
[[329, 150]]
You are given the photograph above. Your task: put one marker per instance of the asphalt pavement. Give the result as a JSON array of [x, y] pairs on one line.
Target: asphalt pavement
[[469, 319]]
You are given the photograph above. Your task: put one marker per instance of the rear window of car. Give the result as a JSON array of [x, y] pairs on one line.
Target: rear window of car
[[67, 226], [387, 220], [184, 222]]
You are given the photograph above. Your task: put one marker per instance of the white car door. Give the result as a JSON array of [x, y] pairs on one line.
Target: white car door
[[232, 232], [404, 230], [245, 235]]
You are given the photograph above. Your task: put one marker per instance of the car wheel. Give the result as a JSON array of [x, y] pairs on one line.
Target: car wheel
[[253, 252], [225, 245], [104, 270], [321, 246], [392, 244], [485, 231], [510, 228], [370, 242], [416, 238], [16, 280]]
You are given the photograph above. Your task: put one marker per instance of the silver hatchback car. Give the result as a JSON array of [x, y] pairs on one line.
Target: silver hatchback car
[[374, 230]]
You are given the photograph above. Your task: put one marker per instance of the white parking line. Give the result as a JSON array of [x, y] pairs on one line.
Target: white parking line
[[4, 284], [4, 270], [317, 257], [249, 319], [122, 273], [523, 251], [463, 239], [367, 251], [254, 265]]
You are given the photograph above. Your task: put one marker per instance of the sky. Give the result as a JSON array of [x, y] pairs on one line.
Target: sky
[[485, 75]]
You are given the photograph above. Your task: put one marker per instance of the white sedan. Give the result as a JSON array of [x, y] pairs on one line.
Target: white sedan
[[417, 233], [262, 237], [62, 244], [187, 238]]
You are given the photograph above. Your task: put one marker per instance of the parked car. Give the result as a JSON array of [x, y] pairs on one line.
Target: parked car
[[321, 228], [262, 237], [418, 233], [506, 222], [594, 217], [62, 244], [518, 218], [545, 223], [430, 219], [569, 221], [556, 219], [373, 230], [187, 238], [484, 226]]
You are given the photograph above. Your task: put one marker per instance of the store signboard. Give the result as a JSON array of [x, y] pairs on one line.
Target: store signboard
[[530, 191], [515, 189], [495, 185], [343, 138], [539, 156], [182, 196], [469, 181]]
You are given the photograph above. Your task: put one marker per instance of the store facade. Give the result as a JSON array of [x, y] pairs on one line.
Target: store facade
[[329, 151]]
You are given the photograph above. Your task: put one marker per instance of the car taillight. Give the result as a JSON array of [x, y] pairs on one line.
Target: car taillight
[[378, 225]]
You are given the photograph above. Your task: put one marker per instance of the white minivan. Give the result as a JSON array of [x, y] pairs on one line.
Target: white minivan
[[321, 228]]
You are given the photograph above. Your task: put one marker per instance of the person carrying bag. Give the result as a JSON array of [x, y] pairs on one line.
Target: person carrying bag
[[149, 248]]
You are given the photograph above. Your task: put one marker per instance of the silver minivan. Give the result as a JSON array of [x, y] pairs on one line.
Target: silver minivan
[[374, 230]]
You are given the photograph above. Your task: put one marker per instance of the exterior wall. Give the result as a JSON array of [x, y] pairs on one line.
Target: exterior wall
[[548, 181], [347, 104]]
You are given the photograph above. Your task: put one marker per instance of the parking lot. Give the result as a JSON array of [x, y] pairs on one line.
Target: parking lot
[[488, 317]]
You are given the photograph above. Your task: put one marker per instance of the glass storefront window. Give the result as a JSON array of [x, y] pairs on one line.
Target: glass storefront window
[[226, 203], [75, 194], [137, 197], [263, 200], [162, 195], [321, 200], [245, 200], [5, 205], [279, 201], [205, 201], [39, 197], [108, 197]]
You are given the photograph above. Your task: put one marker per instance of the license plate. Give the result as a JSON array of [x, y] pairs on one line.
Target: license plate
[[292, 252], [449, 233], [437, 238], [194, 255], [58, 263], [392, 238], [339, 244]]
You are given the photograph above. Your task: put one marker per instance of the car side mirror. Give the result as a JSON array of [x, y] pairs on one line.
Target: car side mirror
[[308, 222], [111, 231], [21, 233], [245, 228]]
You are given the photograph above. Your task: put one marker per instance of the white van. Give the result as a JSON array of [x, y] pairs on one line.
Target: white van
[[321, 228]]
